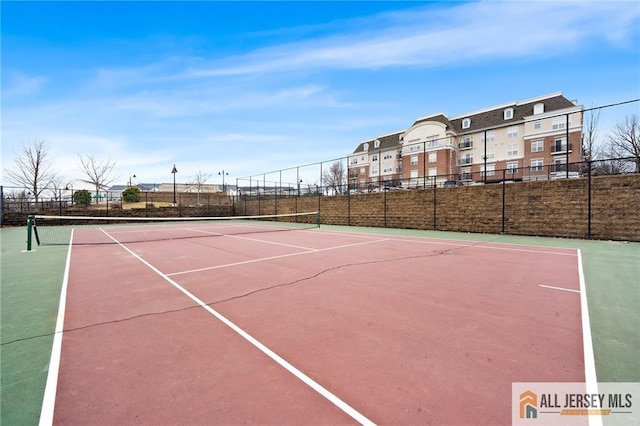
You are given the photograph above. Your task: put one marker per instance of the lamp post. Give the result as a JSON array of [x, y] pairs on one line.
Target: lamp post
[[222, 173], [130, 176], [70, 187], [174, 171]]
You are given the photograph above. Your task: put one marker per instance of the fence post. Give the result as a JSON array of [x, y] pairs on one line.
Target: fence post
[[384, 206], [589, 199], [504, 187], [435, 204]]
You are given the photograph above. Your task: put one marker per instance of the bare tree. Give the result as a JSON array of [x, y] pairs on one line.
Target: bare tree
[[335, 177], [32, 168], [199, 180], [98, 172], [590, 135], [625, 139]]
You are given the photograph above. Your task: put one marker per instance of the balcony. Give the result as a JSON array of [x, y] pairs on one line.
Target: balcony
[[560, 148], [465, 145], [465, 160]]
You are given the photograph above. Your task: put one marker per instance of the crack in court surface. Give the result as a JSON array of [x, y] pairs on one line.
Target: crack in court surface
[[241, 296]]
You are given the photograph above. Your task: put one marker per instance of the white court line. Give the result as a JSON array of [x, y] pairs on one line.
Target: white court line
[[560, 288], [252, 239], [590, 376], [463, 243], [50, 390], [264, 349], [263, 259]]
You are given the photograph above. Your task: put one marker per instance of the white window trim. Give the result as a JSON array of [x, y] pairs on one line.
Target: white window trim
[[508, 113], [466, 123]]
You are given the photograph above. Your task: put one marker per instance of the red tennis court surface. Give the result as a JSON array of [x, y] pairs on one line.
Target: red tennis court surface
[[312, 327]]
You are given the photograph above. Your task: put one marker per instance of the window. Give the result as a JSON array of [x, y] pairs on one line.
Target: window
[[537, 146], [536, 165], [433, 171], [559, 165], [363, 170], [374, 171], [537, 124], [414, 160], [376, 143], [508, 113], [512, 132], [465, 174], [432, 141], [374, 157], [466, 159], [388, 155], [414, 173], [559, 145], [512, 168], [353, 161], [388, 169], [491, 153], [366, 147], [491, 136], [559, 123], [433, 157], [466, 123], [512, 149], [538, 109], [491, 169], [466, 142]]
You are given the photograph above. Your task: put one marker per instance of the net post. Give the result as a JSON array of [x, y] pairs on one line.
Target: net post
[[29, 228], [318, 219]]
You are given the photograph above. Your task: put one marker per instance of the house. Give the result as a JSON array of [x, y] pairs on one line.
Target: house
[[527, 139]]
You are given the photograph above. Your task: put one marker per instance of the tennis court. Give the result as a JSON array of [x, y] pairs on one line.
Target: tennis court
[[234, 325]]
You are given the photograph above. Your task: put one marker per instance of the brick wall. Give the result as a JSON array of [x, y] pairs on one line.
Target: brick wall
[[558, 208]]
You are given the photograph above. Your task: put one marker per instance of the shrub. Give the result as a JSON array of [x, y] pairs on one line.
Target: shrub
[[82, 197], [131, 194]]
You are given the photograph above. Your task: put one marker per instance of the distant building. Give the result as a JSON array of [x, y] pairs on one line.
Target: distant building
[[538, 134]]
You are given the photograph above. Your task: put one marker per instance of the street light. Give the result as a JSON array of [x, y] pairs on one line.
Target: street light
[[174, 171], [223, 175], [70, 187], [134, 175]]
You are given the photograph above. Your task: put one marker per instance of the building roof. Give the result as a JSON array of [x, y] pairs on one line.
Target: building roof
[[493, 117], [386, 142], [488, 118]]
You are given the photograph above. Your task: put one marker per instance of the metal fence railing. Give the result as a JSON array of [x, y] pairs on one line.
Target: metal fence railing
[[577, 200]]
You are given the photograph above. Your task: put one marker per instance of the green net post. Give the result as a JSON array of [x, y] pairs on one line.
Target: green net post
[[29, 228]]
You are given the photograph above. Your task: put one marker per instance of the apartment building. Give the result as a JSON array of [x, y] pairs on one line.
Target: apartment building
[[529, 139]]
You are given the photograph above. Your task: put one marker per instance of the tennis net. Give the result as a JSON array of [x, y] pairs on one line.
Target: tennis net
[[58, 230]]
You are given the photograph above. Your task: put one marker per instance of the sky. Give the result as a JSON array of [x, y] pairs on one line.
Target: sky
[[254, 87]]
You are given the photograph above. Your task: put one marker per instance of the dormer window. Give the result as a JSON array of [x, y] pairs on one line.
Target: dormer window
[[466, 123], [508, 113], [538, 109], [366, 147], [376, 144]]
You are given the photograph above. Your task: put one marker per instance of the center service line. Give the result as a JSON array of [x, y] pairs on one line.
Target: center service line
[[346, 408]]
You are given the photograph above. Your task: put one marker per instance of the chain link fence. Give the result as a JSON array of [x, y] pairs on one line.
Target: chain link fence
[[596, 199]]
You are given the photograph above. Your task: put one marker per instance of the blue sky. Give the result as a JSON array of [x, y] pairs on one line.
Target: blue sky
[[252, 87]]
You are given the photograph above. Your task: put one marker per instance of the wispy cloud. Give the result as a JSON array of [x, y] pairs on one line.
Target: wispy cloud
[[424, 37], [19, 84]]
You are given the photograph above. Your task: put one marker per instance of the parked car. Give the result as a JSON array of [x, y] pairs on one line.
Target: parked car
[[451, 183], [563, 175]]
